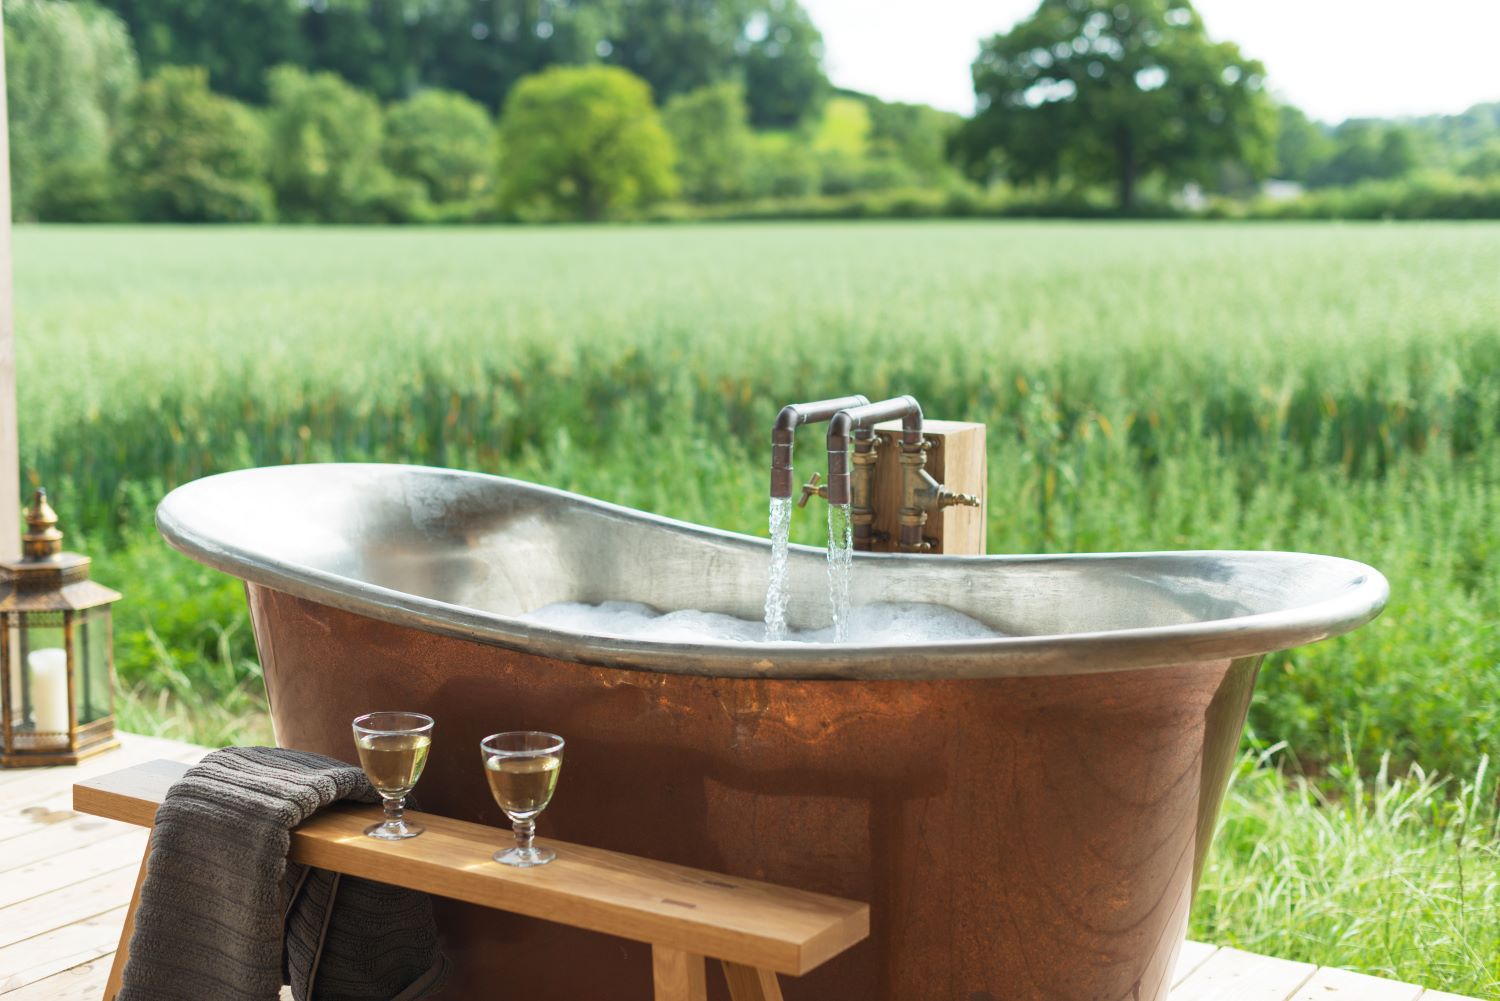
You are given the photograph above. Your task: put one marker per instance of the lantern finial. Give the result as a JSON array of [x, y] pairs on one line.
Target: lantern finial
[[42, 540]]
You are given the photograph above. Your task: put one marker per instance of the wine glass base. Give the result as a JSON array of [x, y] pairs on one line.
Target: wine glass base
[[525, 858], [398, 830]]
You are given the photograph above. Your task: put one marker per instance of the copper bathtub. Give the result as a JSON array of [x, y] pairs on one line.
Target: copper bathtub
[[1027, 816]]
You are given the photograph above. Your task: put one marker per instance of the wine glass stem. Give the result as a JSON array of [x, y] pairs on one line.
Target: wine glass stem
[[395, 810], [525, 831]]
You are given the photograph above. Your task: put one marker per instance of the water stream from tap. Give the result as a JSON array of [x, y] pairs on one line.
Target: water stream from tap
[[776, 589], [840, 566]]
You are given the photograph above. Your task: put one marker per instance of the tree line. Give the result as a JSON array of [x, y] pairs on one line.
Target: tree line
[[458, 110]]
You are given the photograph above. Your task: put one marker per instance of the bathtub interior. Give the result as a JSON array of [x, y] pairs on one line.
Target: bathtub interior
[[505, 547]]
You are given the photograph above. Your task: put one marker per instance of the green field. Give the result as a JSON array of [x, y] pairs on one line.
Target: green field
[[1147, 386]]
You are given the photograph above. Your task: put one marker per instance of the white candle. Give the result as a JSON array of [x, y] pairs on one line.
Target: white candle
[[49, 690]]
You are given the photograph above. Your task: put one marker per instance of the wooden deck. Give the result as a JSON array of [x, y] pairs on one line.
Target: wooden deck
[[65, 879]]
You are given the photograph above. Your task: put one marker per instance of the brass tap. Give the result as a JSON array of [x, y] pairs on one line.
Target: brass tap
[[862, 490], [812, 488], [921, 494]]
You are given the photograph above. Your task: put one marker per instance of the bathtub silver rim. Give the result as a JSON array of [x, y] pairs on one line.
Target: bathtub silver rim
[[1363, 598]]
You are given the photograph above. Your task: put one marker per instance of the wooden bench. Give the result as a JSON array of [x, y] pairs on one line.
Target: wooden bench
[[756, 930]]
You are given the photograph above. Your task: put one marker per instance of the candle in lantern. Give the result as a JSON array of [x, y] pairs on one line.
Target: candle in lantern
[[49, 691]]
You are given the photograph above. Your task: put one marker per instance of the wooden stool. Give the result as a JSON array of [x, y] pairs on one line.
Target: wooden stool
[[756, 930]]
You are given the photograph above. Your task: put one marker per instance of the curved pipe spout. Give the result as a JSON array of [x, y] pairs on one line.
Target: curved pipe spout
[[784, 435], [860, 420]]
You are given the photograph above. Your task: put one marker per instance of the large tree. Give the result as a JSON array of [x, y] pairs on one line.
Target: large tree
[[69, 70], [1115, 91], [581, 142]]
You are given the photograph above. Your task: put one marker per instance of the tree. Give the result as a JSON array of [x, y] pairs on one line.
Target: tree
[[915, 134], [1366, 151], [1301, 145], [581, 142], [186, 154], [1115, 91], [235, 40], [771, 46], [444, 141], [326, 144], [713, 140], [69, 68], [783, 65]]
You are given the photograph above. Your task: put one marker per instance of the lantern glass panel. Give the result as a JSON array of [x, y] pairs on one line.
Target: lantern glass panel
[[39, 644], [91, 653]]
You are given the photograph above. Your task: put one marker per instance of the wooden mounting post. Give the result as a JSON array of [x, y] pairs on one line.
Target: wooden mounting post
[[10, 458], [956, 461]]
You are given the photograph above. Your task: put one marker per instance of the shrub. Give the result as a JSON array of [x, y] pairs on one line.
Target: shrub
[[326, 144], [711, 128], [445, 142], [189, 155], [582, 143]]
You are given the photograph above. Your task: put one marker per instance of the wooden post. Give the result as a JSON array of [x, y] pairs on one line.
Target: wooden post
[[10, 457], [678, 975], [957, 461]]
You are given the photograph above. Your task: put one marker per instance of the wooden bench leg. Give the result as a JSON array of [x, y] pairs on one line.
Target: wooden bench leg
[[122, 951], [678, 975], [746, 983]]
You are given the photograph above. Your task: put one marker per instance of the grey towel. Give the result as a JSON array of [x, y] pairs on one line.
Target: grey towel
[[224, 917]]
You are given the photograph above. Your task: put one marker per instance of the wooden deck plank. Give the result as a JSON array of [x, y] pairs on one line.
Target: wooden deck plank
[[54, 873], [23, 786], [84, 982], [1443, 996], [79, 832], [1191, 956], [61, 949], [1233, 975], [67, 905], [1329, 984]]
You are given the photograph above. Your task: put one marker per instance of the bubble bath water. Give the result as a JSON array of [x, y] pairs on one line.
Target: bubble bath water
[[884, 623]]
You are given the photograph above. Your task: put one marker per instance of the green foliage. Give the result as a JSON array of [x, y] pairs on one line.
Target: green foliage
[[444, 141], [188, 155], [326, 144], [1301, 145], [1484, 161], [1107, 91], [1365, 151], [582, 143], [713, 139], [913, 134], [781, 166], [69, 69], [1423, 195], [236, 41], [783, 65]]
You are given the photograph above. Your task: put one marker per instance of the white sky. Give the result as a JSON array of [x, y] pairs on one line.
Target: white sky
[[1335, 59]]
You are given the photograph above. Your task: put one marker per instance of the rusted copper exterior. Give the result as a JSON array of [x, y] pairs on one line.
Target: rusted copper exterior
[[1017, 838]]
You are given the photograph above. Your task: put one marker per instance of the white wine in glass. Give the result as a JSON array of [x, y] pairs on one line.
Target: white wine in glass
[[393, 750], [522, 769]]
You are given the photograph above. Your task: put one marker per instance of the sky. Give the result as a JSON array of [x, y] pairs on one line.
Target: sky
[[1334, 59]]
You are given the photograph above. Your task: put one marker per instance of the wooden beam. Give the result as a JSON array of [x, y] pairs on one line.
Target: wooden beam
[[10, 453]]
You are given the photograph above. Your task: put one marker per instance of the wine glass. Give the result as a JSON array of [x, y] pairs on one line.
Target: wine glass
[[392, 750], [522, 769]]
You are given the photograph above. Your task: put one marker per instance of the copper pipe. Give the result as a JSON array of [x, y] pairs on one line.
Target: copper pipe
[[862, 419], [784, 435]]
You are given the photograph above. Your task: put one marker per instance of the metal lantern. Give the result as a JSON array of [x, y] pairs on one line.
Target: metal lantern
[[56, 656]]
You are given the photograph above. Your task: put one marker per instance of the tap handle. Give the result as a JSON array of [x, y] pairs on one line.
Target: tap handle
[[951, 498], [813, 487]]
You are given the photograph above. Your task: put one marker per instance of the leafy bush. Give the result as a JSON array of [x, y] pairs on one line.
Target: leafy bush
[[582, 143], [186, 154], [711, 129], [1427, 195], [444, 141], [326, 145], [69, 69]]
